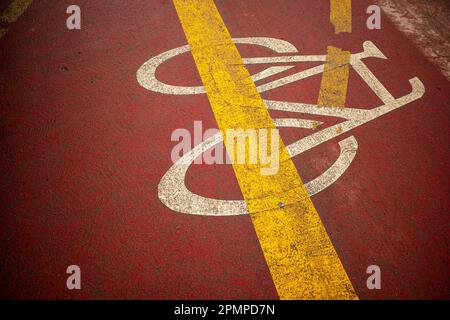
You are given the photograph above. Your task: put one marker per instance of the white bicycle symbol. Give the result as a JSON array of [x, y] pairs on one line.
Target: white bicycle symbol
[[172, 190]]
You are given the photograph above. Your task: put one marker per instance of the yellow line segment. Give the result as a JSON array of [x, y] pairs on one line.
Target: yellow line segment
[[333, 89], [341, 15], [15, 10], [300, 256]]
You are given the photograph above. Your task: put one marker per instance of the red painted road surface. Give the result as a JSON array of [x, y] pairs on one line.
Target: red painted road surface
[[84, 146]]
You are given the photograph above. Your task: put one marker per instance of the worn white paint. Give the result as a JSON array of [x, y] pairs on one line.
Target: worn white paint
[[172, 190]]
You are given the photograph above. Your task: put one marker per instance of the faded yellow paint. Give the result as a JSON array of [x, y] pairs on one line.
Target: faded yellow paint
[[300, 256], [315, 125], [333, 89], [15, 10], [3, 32], [341, 15]]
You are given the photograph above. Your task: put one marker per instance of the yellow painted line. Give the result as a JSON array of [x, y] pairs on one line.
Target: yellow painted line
[[300, 256], [15, 10], [333, 89], [3, 32], [341, 15]]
